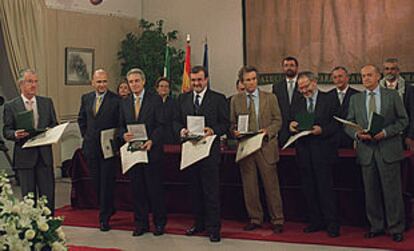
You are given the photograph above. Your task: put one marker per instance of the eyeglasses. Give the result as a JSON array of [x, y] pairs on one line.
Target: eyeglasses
[[390, 68]]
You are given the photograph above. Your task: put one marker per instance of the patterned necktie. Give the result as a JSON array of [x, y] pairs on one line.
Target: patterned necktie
[[98, 104], [252, 115], [290, 90], [372, 107], [137, 107], [310, 105], [197, 103]]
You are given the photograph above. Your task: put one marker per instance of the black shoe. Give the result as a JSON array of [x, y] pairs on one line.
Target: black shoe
[[251, 226], [313, 228], [277, 228], [370, 235], [104, 226], [194, 230], [159, 230], [333, 230], [215, 237], [399, 237], [139, 231]]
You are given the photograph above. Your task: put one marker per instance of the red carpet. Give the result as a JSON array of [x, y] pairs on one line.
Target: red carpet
[[82, 248], [350, 236]]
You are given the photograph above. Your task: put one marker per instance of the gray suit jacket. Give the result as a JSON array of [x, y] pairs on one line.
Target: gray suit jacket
[[269, 117], [396, 121], [27, 158]]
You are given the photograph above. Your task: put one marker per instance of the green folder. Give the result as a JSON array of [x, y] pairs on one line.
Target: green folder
[[25, 121], [376, 124], [305, 120]]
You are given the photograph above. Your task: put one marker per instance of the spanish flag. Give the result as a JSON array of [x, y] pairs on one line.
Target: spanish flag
[[186, 84]]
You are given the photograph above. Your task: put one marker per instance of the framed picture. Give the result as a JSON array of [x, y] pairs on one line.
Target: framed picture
[[79, 65]]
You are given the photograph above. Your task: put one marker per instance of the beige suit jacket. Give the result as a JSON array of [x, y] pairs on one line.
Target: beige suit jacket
[[269, 117]]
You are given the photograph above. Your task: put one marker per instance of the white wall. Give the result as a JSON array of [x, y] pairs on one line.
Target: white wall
[[219, 20]]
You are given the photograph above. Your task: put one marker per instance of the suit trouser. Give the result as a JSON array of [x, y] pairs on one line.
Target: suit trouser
[[41, 177], [147, 185], [317, 185], [268, 174], [383, 195], [205, 192], [103, 172]]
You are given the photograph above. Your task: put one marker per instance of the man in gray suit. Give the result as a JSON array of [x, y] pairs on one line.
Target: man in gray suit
[[379, 155], [34, 165]]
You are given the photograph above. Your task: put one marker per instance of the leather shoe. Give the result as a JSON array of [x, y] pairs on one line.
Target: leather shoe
[[251, 226], [399, 237], [194, 230], [159, 230], [277, 228], [370, 235], [104, 226], [139, 231], [333, 231], [215, 237], [313, 228]]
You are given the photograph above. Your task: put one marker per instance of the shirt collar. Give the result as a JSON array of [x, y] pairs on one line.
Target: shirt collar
[[25, 100], [376, 91], [343, 91], [201, 94], [314, 96], [254, 94], [294, 79], [100, 94], [140, 96]]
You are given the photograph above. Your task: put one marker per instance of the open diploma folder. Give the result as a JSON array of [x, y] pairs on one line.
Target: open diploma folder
[[295, 137], [249, 146], [375, 125], [50, 136], [193, 152], [131, 158]]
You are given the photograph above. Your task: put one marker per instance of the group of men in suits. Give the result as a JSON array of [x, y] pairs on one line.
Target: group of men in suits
[[274, 115]]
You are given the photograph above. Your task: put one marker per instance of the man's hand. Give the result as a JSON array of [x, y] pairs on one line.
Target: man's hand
[[293, 126], [184, 132], [265, 131], [236, 133], [316, 130], [208, 131], [410, 144], [128, 136], [20, 134], [147, 145], [379, 136], [364, 136]]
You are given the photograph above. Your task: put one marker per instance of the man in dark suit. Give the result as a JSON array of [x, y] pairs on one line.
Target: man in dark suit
[[205, 174], [162, 85], [287, 94], [315, 154], [393, 80], [342, 94], [34, 165], [143, 107], [380, 155], [99, 111], [264, 116]]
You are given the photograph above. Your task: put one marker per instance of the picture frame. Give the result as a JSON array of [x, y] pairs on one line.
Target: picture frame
[[79, 65]]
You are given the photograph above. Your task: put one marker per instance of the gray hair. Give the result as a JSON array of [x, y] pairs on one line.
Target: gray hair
[[308, 74], [136, 71], [391, 60], [374, 66], [23, 72]]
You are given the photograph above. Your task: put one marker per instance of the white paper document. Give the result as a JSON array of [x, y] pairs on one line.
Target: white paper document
[[139, 131], [192, 153], [243, 123], [51, 136], [107, 137], [296, 137], [196, 125], [129, 158], [349, 123], [249, 146]]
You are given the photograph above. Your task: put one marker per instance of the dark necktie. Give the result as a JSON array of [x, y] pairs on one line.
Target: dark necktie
[[372, 106], [252, 114], [310, 105], [197, 103]]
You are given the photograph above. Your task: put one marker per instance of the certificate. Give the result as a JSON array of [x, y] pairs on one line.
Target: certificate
[[249, 146], [192, 152], [51, 136], [131, 158], [296, 137], [107, 139]]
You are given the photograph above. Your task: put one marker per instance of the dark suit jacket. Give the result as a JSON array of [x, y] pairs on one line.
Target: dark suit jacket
[[396, 121], [151, 114], [91, 125], [410, 110], [27, 158], [169, 109], [341, 138], [269, 117], [214, 108], [325, 109], [280, 90]]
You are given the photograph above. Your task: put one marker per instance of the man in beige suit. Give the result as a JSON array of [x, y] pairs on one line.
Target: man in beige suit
[[264, 116]]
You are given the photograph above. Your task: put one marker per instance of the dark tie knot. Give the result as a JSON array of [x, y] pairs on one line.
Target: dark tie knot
[[372, 94]]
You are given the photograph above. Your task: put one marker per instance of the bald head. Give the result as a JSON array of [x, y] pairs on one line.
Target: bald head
[[100, 81]]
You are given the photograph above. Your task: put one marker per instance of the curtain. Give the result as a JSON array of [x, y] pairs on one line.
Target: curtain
[[22, 23], [327, 33]]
